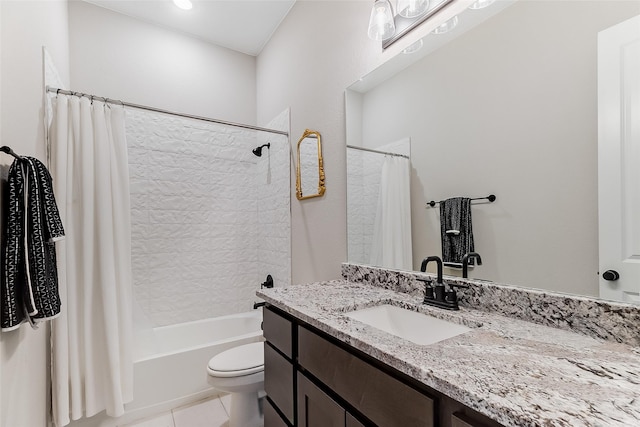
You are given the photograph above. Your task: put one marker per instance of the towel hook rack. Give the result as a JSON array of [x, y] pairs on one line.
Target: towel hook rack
[[8, 150], [491, 198]]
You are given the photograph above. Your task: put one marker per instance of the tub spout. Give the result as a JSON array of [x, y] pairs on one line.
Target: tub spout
[[258, 304]]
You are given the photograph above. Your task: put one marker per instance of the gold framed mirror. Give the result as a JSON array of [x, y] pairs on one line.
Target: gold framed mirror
[[309, 167]]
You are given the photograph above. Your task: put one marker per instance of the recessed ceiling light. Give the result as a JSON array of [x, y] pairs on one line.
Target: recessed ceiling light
[[183, 4]]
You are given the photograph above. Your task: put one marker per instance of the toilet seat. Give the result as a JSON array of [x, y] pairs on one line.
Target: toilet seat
[[239, 361]]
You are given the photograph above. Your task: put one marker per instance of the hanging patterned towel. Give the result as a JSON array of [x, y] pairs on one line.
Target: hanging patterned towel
[[32, 225], [456, 230]]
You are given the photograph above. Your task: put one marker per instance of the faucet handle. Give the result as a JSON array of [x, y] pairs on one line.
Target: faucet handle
[[428, 289]]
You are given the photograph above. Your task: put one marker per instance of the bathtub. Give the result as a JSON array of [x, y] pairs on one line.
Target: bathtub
[[171, 367], [170, 364]]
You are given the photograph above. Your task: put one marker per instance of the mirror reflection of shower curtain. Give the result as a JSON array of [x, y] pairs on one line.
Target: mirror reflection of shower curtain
[[391, 244]]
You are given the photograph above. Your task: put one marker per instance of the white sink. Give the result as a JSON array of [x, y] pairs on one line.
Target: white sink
[[413, 326]]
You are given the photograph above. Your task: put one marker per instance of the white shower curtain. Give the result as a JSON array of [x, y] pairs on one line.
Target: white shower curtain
[[391, 243], [91, 342]]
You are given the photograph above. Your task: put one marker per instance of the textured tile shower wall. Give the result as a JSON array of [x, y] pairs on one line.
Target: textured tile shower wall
[[195, 190], [363, 186], [274, 204]]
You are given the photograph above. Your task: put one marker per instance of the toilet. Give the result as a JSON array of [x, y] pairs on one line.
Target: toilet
[[240, 372]]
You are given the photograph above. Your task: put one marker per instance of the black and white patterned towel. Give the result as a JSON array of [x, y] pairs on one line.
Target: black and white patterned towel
[[29, 280], [456, 230]]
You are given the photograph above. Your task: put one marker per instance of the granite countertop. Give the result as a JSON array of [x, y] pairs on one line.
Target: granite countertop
[[516, 372]]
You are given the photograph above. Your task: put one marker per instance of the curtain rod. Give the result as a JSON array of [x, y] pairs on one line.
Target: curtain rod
[[158, 110], [378, 151]]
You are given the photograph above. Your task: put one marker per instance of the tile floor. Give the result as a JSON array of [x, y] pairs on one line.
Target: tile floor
[[207, 413]]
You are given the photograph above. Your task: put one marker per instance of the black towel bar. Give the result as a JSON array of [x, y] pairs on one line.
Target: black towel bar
[[8, 150], [490, 198]]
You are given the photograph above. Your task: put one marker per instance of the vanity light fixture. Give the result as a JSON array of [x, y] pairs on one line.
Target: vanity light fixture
[[414, 47], [381, 24], [183, 4], [481, 4], [447, 26], [388, 28], [412, 8]]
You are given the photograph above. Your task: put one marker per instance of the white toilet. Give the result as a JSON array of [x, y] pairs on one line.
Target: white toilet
[[240, 371]]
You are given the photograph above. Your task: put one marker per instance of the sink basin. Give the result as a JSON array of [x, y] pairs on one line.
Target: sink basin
[[413, 326]]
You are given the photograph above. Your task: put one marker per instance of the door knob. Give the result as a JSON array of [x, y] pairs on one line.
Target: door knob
[[610, 275]]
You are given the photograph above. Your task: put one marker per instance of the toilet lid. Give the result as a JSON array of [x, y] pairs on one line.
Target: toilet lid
[[243, 360]]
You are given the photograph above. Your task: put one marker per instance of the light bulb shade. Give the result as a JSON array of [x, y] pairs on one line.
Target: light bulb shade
[[381, 25], [183, 4], [481, 4], [412, 8], [413, 47], [447, 26]]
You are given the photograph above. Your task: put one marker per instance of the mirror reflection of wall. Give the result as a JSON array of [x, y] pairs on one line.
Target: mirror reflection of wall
[[508, 108], [309, 165]]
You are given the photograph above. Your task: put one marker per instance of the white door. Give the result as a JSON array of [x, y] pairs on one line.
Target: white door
[[619, 160]]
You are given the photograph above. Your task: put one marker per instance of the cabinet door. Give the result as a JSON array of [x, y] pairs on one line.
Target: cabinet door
[[271, 417], [352, 422], [315, 408], [278, 380]]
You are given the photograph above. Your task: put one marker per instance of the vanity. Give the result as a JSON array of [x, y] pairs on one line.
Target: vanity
[[535, 366]]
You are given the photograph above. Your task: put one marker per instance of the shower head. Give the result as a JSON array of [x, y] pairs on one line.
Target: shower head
[[258, 150]]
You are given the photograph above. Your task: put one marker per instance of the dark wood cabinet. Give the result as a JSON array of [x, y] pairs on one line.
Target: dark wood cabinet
[[278, 381], [314, 380], [352, 422], [315, 408], [278, 331], [461, 420], [271, 416], [377, 395]]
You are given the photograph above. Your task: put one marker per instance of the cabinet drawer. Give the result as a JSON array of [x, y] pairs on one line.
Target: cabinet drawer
[[378, 396], [315, 408], [271, 417], [278, 381], [277, 330]]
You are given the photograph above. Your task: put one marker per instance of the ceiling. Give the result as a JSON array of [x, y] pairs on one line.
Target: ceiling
[[242, 25]]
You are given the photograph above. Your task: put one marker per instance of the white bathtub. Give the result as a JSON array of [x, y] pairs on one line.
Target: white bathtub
[[170, 364], [174, 368]]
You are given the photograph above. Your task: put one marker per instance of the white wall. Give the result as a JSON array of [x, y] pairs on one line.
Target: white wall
[[508, 110], [321, 48], [123, 58], [26, 26]]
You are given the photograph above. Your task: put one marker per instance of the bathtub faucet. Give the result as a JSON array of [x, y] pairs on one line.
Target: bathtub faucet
[[258, 304]]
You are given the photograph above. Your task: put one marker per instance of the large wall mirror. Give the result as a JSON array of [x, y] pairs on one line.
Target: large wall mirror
[[508, 107]]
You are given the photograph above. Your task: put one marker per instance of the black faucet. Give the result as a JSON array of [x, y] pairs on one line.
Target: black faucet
[[433, 293], [258, 304], [465, 262], [437, 295], [438, 261]]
